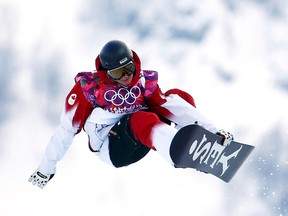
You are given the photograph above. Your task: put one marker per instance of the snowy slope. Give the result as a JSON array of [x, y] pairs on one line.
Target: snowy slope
[[230, 55]]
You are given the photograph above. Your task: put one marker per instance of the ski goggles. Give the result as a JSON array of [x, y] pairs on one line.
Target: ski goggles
[[118, 73]]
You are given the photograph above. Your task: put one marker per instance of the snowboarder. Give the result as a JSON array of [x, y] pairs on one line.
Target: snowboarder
[[123, 111]]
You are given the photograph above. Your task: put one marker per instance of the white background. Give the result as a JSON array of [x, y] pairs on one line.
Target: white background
[[230, 55]]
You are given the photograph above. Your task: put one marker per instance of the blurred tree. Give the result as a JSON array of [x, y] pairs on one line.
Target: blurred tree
[[8, 63]]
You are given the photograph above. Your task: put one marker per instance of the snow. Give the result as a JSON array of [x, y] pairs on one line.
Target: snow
[[230, 55]]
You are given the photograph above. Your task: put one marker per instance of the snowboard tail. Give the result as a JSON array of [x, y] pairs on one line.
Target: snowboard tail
[[195, 147]]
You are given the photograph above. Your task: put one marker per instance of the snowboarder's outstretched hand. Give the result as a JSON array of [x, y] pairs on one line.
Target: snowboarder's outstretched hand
[[228, 137], [40, 179]]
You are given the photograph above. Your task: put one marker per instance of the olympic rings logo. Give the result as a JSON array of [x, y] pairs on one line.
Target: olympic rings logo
[[123, 95]]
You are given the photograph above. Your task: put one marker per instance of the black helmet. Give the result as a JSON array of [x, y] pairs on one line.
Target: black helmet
[[114, 54]]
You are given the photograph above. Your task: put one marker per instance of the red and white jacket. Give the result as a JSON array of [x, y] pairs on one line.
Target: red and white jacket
[[96, 103]]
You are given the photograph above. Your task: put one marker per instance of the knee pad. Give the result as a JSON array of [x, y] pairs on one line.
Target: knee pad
[[141, 124]]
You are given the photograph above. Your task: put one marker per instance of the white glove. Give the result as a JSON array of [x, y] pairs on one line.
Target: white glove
[[40, 179], [228, 137]]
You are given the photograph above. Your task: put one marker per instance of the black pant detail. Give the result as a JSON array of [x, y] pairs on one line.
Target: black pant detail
[[124, 149]]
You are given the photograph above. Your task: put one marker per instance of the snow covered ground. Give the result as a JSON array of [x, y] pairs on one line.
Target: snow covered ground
[[230, 55]]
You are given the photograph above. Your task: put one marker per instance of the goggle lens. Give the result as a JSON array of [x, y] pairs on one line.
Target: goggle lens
[[118, 73]]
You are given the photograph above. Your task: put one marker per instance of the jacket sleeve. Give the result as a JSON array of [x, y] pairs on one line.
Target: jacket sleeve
[[74, 115], [179, 107]]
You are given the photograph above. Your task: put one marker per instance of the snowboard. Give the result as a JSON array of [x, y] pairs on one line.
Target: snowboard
[[195, 147]]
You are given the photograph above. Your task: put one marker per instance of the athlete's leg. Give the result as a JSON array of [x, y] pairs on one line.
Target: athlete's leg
[[152, 132]]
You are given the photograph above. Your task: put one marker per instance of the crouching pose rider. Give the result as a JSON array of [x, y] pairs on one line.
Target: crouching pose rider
[[123, 111]]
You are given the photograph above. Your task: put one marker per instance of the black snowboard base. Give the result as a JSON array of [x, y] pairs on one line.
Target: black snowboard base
[[195, 147]]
